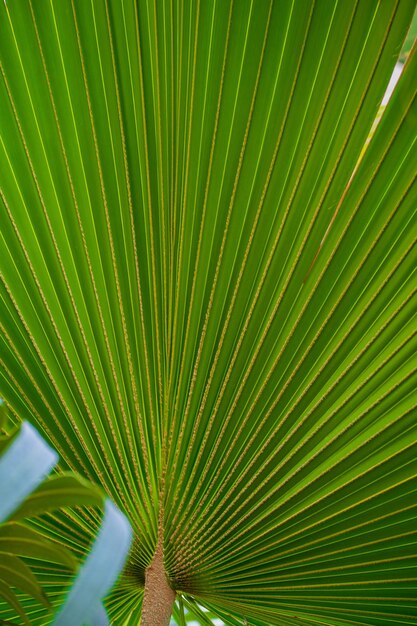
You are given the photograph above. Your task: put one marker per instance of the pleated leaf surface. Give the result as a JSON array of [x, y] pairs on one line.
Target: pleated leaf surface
[[208, 305]]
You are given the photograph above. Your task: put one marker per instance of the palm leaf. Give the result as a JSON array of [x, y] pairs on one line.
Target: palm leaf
[[209, 303]]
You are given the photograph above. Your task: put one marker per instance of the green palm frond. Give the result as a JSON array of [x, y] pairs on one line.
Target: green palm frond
[[209, 294]]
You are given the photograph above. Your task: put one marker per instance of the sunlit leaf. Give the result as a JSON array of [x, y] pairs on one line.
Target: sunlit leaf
[[209, 294]]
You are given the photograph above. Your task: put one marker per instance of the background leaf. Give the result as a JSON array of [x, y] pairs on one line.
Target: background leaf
[[23, 541], [23, 465]]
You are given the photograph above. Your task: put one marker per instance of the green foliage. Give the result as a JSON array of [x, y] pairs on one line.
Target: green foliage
[[25, 460], [410, 39], [208, 306]]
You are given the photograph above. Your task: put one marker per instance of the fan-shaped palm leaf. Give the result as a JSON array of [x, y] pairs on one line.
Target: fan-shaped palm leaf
[[208, 306]]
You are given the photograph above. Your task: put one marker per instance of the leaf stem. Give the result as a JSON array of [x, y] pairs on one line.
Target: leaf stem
[[159, 597]]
